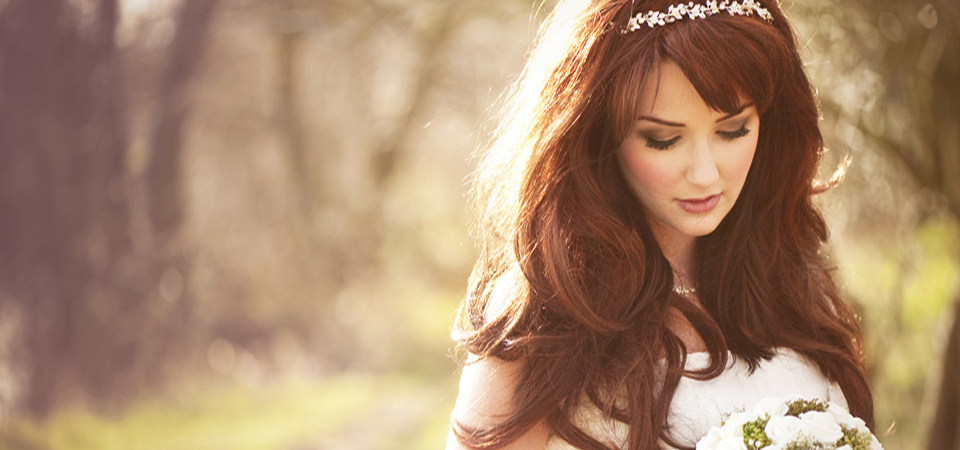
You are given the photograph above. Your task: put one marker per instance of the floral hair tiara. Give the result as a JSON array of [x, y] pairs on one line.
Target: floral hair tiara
[[695, 11]]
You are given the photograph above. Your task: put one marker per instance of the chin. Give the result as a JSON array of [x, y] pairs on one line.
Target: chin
[[702, 232], [702, 228]]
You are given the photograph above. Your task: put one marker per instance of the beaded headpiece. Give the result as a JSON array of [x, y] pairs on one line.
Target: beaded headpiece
[[695, 11]]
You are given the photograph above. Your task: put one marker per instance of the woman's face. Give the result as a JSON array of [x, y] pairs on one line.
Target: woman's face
[[685, 162]]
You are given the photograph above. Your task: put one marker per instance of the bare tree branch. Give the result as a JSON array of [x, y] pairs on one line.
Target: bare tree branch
[[897, 151], [391, 148]]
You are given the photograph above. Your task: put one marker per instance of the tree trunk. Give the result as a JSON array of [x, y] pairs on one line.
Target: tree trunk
[[946, 423], [163, 181], [164, 170], [84, 299], [65, 214]]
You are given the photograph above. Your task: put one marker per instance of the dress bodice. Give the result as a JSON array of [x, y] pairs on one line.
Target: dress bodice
[[699, 405]]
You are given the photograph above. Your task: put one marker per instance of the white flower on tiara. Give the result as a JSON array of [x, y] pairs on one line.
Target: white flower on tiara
[[695, 11]]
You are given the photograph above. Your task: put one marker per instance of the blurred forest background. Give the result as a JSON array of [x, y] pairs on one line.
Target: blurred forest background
[[242, 224]]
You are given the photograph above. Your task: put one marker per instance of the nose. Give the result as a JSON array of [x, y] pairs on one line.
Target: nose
[[702, 170]]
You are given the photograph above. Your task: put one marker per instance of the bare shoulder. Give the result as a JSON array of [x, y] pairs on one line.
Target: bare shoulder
[[486, 391], [506, 289], [488, 385], [486, 398]]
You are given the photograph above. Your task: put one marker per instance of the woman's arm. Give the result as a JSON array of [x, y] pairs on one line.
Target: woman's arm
[[486, 398]]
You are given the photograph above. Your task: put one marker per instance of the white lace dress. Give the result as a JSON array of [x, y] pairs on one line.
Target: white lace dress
[[699, 405]]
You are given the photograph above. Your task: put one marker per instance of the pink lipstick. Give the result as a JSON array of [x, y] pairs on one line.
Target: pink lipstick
[[699, 205]]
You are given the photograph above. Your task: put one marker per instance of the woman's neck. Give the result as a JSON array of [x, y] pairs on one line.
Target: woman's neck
[[678, 249]]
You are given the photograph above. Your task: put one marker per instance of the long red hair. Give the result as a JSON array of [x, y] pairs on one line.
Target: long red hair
[[581, 287]]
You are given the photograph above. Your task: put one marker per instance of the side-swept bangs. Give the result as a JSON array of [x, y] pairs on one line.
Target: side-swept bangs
[[729, 60]]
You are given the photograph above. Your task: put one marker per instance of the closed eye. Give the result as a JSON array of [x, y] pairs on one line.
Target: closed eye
[[731, 135], [662, 145]]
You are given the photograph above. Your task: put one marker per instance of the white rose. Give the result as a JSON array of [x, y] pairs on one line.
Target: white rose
[[754, 414], [730, 430], [861, 425], [710, 441], [822, 426], [732, 443], [733, 426], [773, 407], [844, 447], [840, 415], [874, 443], [784, 429], [845, 418]]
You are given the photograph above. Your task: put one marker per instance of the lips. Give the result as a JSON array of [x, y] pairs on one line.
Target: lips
[[699, 205]]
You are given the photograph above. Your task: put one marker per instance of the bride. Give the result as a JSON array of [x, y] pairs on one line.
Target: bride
[[650, 248]]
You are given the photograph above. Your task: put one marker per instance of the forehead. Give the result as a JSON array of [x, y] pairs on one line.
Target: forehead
[[668, 94]]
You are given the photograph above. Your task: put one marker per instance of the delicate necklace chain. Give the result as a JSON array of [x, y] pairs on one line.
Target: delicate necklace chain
[[684, 291]]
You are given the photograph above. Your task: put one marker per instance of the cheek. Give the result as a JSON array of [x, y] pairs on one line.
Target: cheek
[[646, 174], [739, 165]]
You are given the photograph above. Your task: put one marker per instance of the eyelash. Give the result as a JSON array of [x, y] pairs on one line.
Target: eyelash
[[725, 135], [661, 145], [731, 135]]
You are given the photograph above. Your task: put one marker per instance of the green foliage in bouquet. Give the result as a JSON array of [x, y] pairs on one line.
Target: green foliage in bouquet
[[855, 439], [800, 406], [806, 445], [753, 435]]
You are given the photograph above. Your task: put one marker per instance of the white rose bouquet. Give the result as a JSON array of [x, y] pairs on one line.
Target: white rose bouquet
[[791, 424]]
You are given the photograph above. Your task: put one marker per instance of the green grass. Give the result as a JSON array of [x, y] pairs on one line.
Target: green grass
[[290, 414]]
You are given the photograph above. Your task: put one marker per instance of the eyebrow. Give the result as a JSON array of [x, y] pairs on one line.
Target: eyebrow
[[678, 124]]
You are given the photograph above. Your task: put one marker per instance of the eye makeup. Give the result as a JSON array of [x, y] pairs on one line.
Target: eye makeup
[[739, 133], [665, 144], [657, 144], [661, 145]]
